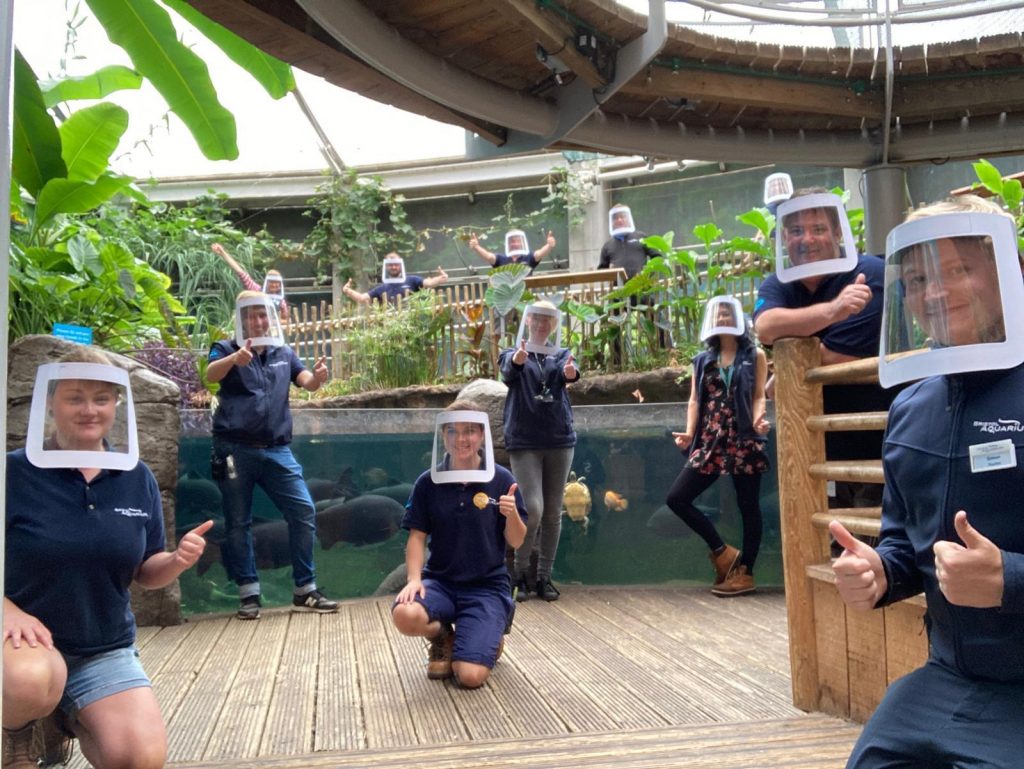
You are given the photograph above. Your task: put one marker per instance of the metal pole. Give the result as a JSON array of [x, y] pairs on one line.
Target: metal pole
[[885, 203]]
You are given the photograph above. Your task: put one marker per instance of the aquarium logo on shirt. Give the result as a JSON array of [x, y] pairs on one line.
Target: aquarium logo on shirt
[[1000, 426], [131, 512]]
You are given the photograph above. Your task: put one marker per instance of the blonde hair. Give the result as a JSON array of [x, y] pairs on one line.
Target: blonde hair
[[86, 354], [247, 294], [961, 204], [544, 304]]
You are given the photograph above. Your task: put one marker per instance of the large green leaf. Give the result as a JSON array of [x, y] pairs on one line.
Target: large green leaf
[[99, 84], [35, 151], [144, 30], [64, 196], [273, 74], [89, 137]]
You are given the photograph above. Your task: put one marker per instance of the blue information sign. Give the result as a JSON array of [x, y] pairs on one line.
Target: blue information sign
[[79, 334]]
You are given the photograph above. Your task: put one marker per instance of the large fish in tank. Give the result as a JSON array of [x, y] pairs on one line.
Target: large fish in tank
[[576, 501]]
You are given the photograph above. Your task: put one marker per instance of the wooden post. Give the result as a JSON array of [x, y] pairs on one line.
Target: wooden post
[[800, 496]]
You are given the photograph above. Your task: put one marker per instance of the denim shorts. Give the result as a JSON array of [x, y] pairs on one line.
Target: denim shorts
[[101, 675]]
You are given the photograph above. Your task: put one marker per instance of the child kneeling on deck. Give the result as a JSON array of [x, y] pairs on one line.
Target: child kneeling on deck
[[470, 510]]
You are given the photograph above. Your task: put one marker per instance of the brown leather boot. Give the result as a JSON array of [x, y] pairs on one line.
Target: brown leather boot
[[723, 562], [737, 583], [439, 661], [18, 750]]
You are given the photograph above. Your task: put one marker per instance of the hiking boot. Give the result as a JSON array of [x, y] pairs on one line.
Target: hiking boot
[[546, 590], [439, 654], [737, 583], [249, 608], [723, 562], [18, 750], [314, 600], [53, 739], [521, 590]]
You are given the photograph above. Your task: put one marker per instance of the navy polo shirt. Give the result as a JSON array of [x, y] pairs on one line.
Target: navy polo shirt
[[73, 549], [252, 403], [857, 335], [466, 544], [500, 260], [412, 284]]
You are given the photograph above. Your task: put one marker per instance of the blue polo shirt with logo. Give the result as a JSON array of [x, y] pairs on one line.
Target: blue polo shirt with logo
[[467, 544], [74, 547], [857, 335], [392, 291]]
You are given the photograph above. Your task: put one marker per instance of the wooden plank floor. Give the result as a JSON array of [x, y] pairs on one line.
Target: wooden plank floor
[[623, 677]]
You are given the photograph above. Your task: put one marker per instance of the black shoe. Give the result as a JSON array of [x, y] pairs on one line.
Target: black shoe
[[314, 600], [546, 590], [250, 607], [521, 590]]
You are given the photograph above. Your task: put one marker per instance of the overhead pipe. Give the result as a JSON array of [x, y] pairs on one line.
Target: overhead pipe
[[360, 31], [851, 19]]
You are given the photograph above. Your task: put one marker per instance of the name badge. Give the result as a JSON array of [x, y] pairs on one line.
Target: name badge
[[997, 455]]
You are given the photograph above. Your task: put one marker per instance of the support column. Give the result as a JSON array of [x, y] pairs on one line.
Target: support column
[[587, 237], [885, 204]]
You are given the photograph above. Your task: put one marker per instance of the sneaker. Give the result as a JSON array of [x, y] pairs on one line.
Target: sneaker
[[314, 600], [18, 752], [249, 608], [439, 654], [737, 583], [521, 590], [723, 562], [53, 740], [546, 590]]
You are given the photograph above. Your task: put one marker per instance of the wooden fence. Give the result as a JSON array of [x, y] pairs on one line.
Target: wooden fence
[[468, 343], [841, 660]]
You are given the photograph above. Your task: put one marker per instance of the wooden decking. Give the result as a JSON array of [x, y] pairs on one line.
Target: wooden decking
[[638, 677]]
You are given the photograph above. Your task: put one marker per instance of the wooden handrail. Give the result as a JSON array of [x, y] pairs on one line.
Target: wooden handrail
[[850, 372], [869, 420], [854, 470]]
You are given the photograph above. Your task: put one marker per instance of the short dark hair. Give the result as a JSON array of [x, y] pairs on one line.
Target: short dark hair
[[830, 211]]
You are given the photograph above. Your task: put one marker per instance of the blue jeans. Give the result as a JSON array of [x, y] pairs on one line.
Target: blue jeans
[[280, 476]]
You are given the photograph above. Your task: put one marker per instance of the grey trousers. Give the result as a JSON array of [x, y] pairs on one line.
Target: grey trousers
[[541, 475]]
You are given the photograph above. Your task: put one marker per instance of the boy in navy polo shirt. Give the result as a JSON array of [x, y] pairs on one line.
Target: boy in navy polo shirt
[[394, 283], [516, 250], [470, 510]]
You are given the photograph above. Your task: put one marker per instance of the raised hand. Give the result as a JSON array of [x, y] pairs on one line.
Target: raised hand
[[551, 239], [860, 577], [442, 274], [218, 249], [244, 355], [570, 369], [320, 372], [192, 545], [970, 574], [473, 242], [507, 502], [852, 299], [519, 356]]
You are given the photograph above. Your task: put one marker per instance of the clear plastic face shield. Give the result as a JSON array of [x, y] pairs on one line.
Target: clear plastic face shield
[[256, 319], [463, 451], [722, 315], [541, 329], [620, 220], [954, 298], [273, 286], [393, 270], [82, 415], [778, 188], [515, 243], [813, 237]]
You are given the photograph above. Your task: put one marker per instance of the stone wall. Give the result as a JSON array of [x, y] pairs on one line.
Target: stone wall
[[159, 425]]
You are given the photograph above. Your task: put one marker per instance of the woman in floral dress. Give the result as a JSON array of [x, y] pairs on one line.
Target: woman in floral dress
[[725, 429]]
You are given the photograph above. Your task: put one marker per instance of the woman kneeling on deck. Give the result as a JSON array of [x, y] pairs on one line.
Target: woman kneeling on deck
[[84, 520], [470, 509], [725, 429]]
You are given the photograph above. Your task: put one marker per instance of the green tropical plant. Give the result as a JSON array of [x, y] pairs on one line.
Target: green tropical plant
[[1008, 191]]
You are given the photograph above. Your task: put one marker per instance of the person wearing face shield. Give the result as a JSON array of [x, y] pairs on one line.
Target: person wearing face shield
[[468, 510], [394, 283], [273, 284], [84, 521], [517, 250], [954, 480], [540, 437], [823, 288], [252, 433], [726, 425]]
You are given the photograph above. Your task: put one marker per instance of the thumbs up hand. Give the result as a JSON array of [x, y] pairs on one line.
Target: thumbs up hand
[[860, 577], [970, 574], [507, 502]]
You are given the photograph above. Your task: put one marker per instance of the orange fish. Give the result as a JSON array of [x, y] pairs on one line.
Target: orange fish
[[615, 501]]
